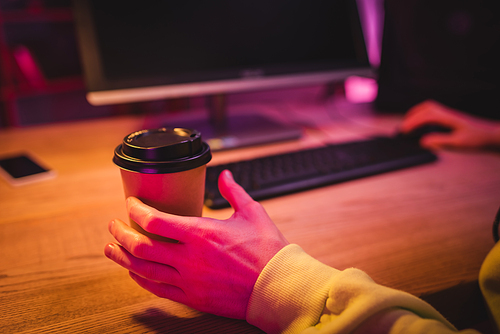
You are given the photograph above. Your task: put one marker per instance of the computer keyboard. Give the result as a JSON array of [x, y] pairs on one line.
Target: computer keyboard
[[286, 173]]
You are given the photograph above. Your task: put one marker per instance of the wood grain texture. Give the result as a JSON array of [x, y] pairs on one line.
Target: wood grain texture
[[422, 229]]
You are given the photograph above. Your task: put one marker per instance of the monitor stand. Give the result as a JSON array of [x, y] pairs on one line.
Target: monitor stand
[[223, 131]]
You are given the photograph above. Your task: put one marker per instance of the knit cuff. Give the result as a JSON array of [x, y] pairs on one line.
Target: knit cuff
[[290, 293]]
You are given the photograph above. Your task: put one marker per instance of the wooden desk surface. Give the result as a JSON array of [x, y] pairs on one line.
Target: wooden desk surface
[[422, 229]]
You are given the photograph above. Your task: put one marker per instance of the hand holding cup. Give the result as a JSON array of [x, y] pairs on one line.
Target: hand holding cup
[[216, 263]]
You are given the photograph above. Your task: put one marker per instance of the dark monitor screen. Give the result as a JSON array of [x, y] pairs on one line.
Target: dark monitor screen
[[137, 51]]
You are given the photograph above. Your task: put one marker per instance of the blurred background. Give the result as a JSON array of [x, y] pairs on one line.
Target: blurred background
[[41, 71], [41, 80], [447, 50]]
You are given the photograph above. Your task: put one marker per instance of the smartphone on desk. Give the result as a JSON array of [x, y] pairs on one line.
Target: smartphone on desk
[[23, 168]]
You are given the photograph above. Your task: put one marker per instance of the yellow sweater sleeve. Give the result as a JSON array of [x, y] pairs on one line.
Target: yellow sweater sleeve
[[489, 281], [296, 293]]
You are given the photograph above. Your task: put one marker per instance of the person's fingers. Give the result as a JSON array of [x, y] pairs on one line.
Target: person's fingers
[[436, 141], [422, 108], [162, 290], [125, 234], [233, 192], [415, 118], [147, 269], [429, 112], [143, 247], [161, 223]]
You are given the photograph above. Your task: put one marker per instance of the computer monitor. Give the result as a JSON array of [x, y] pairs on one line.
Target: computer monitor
[[153, 50]]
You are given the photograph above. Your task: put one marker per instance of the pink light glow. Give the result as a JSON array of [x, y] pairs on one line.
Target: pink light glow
[[360, 90], [29, 67], [371, 13]]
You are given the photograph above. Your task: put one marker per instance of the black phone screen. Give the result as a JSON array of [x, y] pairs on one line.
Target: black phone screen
[[21, 166]]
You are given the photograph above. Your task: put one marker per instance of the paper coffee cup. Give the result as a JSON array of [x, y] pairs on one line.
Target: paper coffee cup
[[165, 168]]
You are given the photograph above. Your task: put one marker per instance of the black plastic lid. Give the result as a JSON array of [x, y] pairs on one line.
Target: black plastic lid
[[160, 151]]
